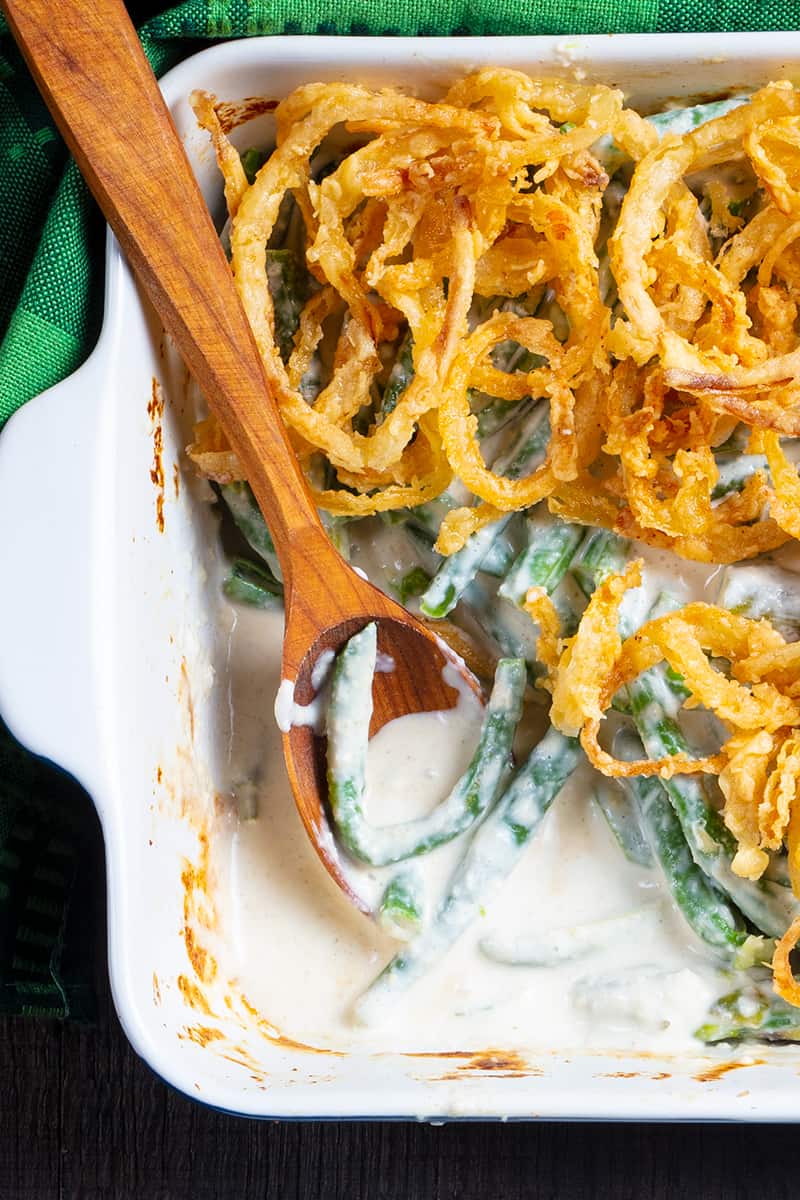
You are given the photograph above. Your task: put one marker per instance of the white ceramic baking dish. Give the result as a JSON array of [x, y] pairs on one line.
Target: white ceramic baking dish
[[106, 664]]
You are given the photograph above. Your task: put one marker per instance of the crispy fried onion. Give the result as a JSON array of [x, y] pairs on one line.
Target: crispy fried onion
[[757, 700], [492, 192], [541, 609], [406, 213], [663, 490], [784, 982]]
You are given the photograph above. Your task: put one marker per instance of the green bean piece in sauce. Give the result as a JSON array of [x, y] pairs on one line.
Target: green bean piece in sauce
[[402, 907], [288, 287], [349, 714], [751, 1012], [248, 583], [491, 855], [703, 907], [242, 505], [544, 562]]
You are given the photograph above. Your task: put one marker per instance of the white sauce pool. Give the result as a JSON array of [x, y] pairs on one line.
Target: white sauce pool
[[305, 956]]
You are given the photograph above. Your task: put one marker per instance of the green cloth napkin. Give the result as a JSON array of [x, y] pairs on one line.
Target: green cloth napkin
[[50, 309]]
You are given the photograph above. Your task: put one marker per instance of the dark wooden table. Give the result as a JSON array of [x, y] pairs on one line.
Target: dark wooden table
[[82, 1117]]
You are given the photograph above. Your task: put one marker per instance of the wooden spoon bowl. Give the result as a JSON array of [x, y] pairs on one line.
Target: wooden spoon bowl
[[89, 66], [416, 683]]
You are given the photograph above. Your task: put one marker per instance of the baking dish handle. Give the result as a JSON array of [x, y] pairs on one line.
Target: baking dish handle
[[47, 473]]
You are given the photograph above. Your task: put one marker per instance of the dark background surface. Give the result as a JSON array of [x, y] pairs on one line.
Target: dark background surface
[[81, 1116]]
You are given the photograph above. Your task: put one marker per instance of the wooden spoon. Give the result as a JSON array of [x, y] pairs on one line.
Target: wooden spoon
[[90, 69]]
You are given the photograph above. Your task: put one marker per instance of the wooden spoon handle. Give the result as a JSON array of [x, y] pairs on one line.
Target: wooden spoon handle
[[90, 68]]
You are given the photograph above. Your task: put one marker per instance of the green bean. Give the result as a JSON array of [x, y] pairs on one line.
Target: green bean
[[502, 552], [528, 445], [702, 906], [494, 850], [544, 561], [736, 442], [750, 1012], [570, 604], [734, 472], [457, 572], [494, 415], [248, 583], [400, 376], [242, 505], [755, 951], [684, 120], [413, 583], [778, 869], [511, 356], [623, 819], [425, 519], [243, 508], [252, 162], [402, 907], [602, 553], [771, 592], [513, 631], [673, 120], [338, 530], [654, 706], [552, 947], [288, 287], [349, 713]]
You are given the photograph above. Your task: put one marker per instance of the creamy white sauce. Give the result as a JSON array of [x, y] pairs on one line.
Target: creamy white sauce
[[305, 956], [322, 669], [288, 712]]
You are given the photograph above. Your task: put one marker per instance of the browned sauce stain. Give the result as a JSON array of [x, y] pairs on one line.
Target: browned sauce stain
[[242, 1058], [449, 1076], [501, 1064], [193, 996], [156, 990], [200, 912], [478, 1060], [176, 480], [490, 1060], [155, 405], [185, 691], [633, 1075], [231, 113], [273, 1035], [198, 907], [204, 965], [155, 411], [714, 1073], [470, 1054], [201, 1035], [159, 775]]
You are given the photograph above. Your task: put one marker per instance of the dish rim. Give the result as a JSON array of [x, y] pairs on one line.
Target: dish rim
[[599, 49]]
